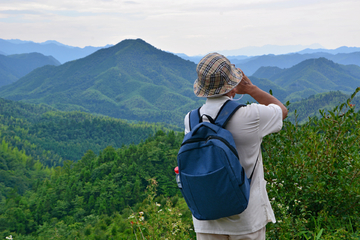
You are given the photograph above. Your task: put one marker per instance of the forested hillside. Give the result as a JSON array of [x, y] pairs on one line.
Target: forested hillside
[[51, 136], [13, 67], [94, 186], [311, 77], [135, 81], [310, 107], [312, 171], [132, 80]]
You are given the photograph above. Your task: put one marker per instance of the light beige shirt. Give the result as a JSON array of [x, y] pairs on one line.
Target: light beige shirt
[[248, 126]]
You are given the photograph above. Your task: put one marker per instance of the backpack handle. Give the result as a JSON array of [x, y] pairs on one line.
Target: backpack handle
[[208, 117], [211, 126]]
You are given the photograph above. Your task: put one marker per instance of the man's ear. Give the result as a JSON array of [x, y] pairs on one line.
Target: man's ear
[[232, 93]]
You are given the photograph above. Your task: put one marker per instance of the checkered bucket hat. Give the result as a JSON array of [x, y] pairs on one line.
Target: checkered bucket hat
[[216, 76]]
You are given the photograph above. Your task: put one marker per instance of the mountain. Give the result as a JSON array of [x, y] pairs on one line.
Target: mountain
[[196, 59], [63, 53], [313, 76], [15, 66], [131, 80], [250, 65], [135, 81], [342, 49], [266, 85], [267, 49]]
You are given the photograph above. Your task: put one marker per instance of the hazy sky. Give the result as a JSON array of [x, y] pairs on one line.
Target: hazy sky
[[184, 26]]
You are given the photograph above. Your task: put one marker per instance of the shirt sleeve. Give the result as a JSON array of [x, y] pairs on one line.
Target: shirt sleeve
[[270, 117]]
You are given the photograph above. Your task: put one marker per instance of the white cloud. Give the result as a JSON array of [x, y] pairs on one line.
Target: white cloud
[[189, 26]]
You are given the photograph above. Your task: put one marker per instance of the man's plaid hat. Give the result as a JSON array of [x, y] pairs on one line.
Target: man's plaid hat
[[216, 76]]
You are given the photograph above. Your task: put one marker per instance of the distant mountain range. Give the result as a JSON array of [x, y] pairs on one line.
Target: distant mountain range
[[63, 53], [133, 80], [342, 49], [197, 59], [250, 65], [268, 49], [249, 59], [15, 66], [254, 52]]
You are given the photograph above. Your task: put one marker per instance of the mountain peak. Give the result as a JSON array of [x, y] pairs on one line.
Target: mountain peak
[[318, 61], [135, 43], [131, 80], [56, 43]]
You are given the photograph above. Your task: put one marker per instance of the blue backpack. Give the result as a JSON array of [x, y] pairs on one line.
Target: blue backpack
[[210, 176]]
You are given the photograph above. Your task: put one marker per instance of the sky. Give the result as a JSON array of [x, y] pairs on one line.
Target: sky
[[193, 27]]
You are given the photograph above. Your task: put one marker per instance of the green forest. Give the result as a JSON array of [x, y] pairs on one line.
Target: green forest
[[129, 191], [52, 136], [133, 80]]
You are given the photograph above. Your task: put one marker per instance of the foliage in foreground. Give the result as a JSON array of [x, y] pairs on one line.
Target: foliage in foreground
[[314, 177], [96, 185], [312, 171], [157, 217]]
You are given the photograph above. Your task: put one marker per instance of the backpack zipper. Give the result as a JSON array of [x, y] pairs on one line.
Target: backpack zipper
[[212, 137]]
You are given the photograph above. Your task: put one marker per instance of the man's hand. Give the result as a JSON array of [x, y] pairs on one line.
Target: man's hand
[[245, 86], [262, 97]]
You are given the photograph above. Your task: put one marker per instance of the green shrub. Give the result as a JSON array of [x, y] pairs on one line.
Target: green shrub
[[160, 220], [314, 177]]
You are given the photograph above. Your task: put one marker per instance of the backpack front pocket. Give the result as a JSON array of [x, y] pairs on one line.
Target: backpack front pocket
[[214, 194]]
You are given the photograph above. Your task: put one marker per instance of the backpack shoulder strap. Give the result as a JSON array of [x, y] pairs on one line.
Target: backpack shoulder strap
[[194, 118], [222, 118], [227, 110]]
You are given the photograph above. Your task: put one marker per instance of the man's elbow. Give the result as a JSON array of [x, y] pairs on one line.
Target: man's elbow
[[284, 112]]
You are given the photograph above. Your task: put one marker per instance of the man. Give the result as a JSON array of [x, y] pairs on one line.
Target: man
[[218, 80]]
